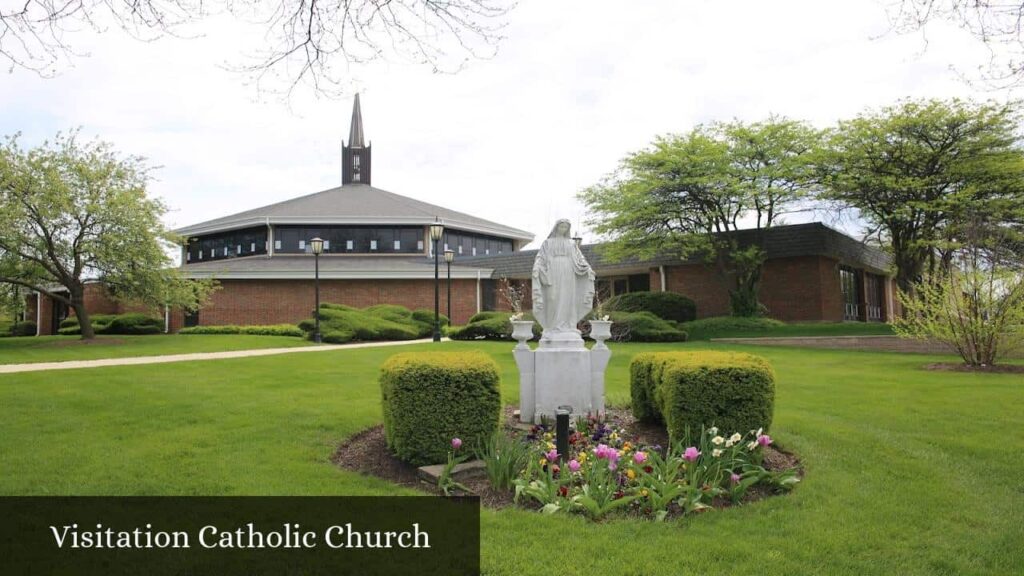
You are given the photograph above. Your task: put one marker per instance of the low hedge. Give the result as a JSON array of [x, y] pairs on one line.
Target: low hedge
[[25, 328], [734, 391], [254, 330], [431, 397], [644, 327], [664, 305], [726, 326], [340, 324], [124, 324], [489, 326]]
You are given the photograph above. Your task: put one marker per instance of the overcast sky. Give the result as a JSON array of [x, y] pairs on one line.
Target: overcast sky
[[575, 86]]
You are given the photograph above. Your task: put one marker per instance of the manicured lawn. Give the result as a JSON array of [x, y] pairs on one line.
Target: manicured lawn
[[908, 471], [60, 348], [795, 329]]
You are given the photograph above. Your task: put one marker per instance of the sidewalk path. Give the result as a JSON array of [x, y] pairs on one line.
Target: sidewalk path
[[39, 366]]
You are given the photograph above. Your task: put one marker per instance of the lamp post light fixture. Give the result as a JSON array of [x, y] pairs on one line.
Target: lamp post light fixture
[[578, 240], [449, 255], [436, 231], [316, 246]]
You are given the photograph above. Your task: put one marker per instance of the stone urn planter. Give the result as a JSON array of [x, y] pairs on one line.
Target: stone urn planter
[[522, 331], [600, 330]]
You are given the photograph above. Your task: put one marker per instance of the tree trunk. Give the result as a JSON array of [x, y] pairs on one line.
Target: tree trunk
[[84, 322]]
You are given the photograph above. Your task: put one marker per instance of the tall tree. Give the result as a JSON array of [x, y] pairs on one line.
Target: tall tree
[[71, 212], [917, 171], [314, 41], [689, 194]]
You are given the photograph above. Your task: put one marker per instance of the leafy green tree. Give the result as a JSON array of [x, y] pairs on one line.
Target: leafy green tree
[[917, 171], [71, 212], [689, 194]]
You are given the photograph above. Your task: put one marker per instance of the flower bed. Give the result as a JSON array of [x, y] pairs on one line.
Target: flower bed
[[616, 467]]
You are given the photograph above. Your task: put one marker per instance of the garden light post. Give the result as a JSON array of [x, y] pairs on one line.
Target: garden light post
[[316, 245], [449, 255], [562, 431], [578, 240], [436, 231]]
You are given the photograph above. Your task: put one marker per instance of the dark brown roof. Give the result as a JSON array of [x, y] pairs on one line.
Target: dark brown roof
[[813, 239]]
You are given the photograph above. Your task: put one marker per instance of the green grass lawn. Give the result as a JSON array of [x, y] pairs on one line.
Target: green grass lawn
[[793, 329], [908, 471], [61, 348]]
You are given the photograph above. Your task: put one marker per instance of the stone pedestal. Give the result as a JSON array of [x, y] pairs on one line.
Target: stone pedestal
[[560, 372]]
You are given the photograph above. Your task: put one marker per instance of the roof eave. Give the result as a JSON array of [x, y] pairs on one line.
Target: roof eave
[[201, 228]]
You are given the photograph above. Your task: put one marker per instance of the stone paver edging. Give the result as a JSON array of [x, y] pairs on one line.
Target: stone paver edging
[[134, 360]]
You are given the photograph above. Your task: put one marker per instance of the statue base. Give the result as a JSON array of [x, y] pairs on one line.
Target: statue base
[[560, 372]]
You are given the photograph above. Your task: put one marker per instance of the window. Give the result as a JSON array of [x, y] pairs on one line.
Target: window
[[419, 245], [851, 295], [252, 247], [239, 249], [327, 245], [191, 319]]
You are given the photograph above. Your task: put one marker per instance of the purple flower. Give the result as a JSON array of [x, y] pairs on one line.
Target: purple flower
[[764, 440], [574, 465], [552, 455], [639, 457], [691, 454], [735, 478], [456, 443]]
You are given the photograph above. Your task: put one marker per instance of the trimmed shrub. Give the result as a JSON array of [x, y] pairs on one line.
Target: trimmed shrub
[[134, 324], [431, 397], [340, 324], [726, 326], [664, 305], [489, 326], [254, 330], [124, 324], [734, 391], [26, 328], [644, 327]]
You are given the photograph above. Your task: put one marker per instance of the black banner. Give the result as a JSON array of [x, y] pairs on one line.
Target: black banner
[[243, 536]]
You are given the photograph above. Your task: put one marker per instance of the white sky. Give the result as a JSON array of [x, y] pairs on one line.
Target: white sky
[[575, 87]]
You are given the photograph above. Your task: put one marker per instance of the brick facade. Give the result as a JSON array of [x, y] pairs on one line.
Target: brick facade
[[290, 301], [799, 289]]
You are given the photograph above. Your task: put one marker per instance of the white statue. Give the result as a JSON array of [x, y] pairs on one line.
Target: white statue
[[563, 284]]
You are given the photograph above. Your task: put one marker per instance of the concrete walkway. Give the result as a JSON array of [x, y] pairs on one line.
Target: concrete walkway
[[129, 361]]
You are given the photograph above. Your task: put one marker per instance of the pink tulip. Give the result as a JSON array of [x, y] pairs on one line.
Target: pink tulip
[[764, 439], [574, 465], [552, 456], [691, 454], [639, 457], [456, 443], [735, 478]]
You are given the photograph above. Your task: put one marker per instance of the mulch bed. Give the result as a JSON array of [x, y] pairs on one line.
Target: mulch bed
[[367, 453], [956, 367]]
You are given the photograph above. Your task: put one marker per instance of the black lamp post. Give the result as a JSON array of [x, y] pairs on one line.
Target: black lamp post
[[436, 231], [578, 240], [316, 245], [449, 255]]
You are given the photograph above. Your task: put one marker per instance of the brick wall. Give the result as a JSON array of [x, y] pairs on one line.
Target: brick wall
[[801, 289], [290, 301]]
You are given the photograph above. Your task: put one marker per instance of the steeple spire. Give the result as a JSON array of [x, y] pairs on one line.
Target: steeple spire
[[355, 157], [355, 132]]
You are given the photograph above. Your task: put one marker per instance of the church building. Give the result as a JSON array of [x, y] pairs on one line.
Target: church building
[[377, 250]]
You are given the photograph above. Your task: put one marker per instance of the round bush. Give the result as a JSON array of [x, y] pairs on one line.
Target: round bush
[[689, 390], [664, 305], [644, 327], [26, 328], [431, 397]]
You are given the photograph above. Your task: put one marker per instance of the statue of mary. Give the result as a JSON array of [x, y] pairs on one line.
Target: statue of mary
[[563, 284]]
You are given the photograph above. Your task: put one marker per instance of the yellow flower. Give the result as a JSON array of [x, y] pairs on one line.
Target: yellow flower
[[551, 445], [627, 447], [582, 457], [644, 492], [543, 461], [631, 474]]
